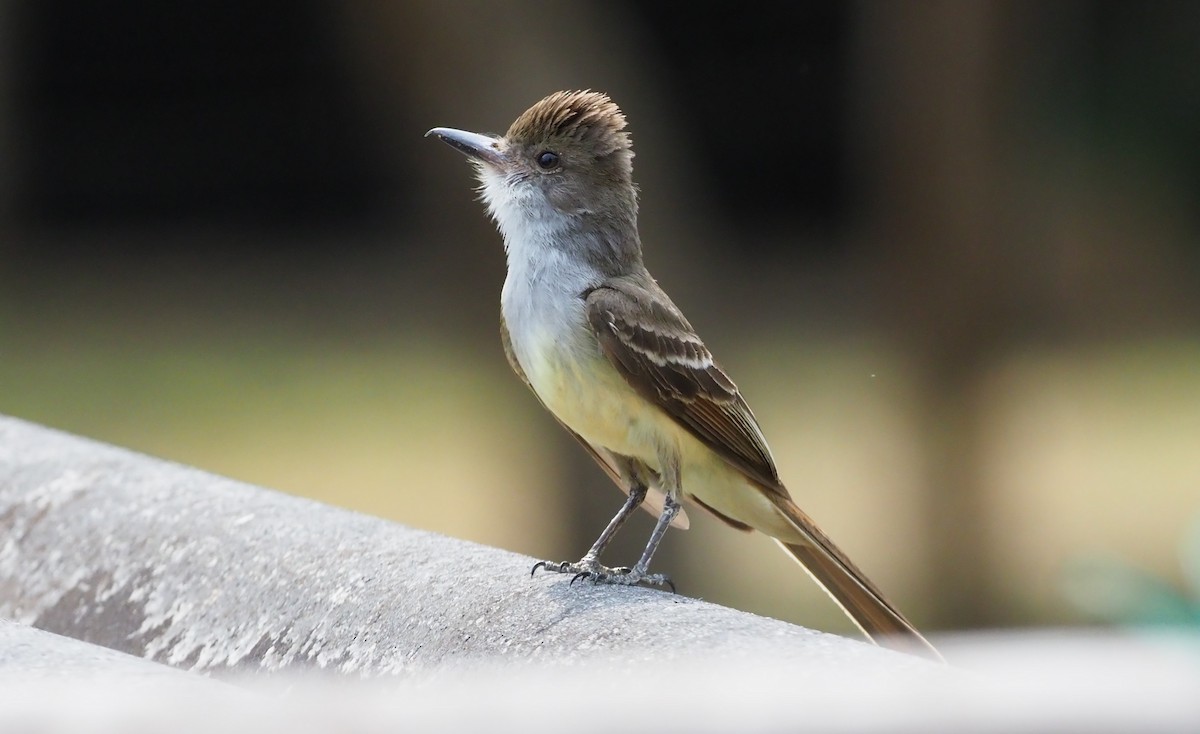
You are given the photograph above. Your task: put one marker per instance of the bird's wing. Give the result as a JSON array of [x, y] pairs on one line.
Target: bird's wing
[[654, 502], [655, 349]]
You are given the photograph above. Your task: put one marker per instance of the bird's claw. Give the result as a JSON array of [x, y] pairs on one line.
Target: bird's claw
[[586, 569]]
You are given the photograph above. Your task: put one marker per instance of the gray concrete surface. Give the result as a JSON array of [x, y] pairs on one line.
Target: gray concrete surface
[[1058, 682], [172, 564], [28, 654], [329, 621]]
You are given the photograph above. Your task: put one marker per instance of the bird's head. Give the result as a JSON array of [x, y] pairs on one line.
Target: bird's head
[[564, 162]]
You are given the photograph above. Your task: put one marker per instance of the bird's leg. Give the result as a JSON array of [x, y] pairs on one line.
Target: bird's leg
[[670, 510], [589, 565], [637, 493], [638, 574], [669, 481]]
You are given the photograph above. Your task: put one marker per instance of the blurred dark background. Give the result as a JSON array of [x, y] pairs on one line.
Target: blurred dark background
[[950, 250]]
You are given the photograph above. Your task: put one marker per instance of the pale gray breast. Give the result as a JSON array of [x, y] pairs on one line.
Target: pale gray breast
[[541, 300]]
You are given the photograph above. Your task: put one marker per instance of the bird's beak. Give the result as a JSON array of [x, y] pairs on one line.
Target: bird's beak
[[480, 147]]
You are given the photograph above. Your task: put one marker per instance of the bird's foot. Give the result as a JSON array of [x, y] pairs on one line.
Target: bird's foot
[[591, 570]]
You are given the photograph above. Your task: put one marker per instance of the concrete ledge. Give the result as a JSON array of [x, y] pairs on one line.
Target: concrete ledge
[[185, 568], [1059, 682], [29, 655], [181, 567]]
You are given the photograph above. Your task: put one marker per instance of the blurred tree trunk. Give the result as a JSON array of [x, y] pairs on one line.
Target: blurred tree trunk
[[933, 87]]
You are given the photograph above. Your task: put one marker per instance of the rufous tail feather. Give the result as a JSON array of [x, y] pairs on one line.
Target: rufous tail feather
[[862, 601]]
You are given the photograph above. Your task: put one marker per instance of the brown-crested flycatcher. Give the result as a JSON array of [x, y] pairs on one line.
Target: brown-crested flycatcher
[[612, 358]]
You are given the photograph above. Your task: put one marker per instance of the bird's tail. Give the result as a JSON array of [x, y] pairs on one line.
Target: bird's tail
[[860, 599]]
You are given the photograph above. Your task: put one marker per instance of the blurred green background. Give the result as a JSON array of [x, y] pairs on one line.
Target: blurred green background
[[949, 250]]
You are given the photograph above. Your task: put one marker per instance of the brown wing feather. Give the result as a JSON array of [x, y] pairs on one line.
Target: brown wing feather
[[654, 347]]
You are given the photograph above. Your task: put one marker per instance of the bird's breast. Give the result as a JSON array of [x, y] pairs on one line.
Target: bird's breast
[[563, 362]]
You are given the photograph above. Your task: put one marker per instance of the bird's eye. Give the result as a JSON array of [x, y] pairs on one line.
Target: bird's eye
[[547, 159]]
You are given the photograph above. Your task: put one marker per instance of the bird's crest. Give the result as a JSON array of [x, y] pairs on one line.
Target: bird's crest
[[585, 116]]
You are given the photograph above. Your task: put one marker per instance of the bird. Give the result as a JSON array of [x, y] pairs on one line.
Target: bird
[[613, 359]]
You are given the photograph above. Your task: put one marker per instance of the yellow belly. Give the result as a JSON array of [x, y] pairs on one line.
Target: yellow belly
[[595, 401], [592, 399]]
